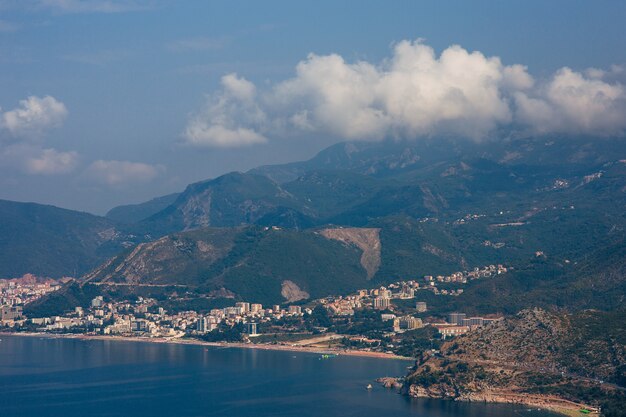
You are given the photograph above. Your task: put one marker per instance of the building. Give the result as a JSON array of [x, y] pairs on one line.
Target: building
[[245, 307], [447, 331], [473, 321], [276, 308], [251, 329], [139, 325], [382, 303], [407, 323], [385, 293], [10, 312], [202, 324], [255, 308], [295, 310], [420, 306], [97, 302], [456, 318]]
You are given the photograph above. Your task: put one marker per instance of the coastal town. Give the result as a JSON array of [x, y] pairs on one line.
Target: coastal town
[[369, 320]]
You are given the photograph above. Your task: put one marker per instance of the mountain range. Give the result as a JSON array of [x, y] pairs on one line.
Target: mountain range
[[357, 214]]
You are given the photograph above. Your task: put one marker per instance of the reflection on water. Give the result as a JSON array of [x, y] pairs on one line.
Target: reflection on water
[[68, 377]]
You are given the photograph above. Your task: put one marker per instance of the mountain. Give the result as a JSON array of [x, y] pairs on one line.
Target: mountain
[[133, 213], [357, 183], [228, 201], [545, 207], [262, 264], [53, 242]]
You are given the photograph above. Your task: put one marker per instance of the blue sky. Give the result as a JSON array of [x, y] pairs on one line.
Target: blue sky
[[107, 102]]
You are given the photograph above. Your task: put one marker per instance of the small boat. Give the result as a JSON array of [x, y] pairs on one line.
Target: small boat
[[369, 386]]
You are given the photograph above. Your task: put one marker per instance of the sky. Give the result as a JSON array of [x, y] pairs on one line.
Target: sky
[[107, 102]]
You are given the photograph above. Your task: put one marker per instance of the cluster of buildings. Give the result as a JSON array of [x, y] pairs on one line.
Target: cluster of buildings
[[381, 298], [463, 277], [144, 317], [458, 324], [468, 218], [249, 314], [15, 293]]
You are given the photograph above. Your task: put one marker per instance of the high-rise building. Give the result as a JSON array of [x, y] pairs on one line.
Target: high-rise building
[[295, 310], [202, 325], [456, 318], [255, 308], [139, 325], [245, 307], [407, 323], [381, 303], [275, 308]]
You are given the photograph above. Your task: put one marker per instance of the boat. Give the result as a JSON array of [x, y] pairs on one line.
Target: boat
[[369, 386]]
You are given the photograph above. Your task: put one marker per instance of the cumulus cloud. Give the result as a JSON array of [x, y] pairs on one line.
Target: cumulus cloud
[[218, 124], [51, 161], [26, 124], [574, 103], [412, 94], [115, 173], [34, 160], [34, 116]]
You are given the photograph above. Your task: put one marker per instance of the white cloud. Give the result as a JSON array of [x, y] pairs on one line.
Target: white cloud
[[218, 123], [34, 116], [34, 160], [573, 103], [115, 173], [413, 93], [28, 123], [51, 161]]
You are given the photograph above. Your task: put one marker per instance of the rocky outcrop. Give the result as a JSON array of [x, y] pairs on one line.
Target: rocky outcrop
[[539, 358], [291, 292], [366, 239], [169, 260], [390, 383]]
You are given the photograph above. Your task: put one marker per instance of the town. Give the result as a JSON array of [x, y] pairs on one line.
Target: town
[[379, 319]]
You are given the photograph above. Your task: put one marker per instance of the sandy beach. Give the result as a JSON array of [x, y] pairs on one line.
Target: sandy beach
[[196, 342]]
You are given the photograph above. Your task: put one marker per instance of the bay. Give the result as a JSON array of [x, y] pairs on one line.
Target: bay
[[73, 377]]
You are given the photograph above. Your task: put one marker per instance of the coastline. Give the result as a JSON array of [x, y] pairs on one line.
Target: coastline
[[548, 403], [196, 342], [545, 402]]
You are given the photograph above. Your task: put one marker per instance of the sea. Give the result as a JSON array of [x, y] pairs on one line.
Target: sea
[[43, 376]]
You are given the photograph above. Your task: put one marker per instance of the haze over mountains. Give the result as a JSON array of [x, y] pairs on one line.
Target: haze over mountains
[[406, 208]]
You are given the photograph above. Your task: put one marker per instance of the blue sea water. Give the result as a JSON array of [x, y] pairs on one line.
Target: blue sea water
[[71, 377]]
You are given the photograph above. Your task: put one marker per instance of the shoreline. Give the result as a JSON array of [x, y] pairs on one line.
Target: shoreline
[[197, 342], [552, 404]]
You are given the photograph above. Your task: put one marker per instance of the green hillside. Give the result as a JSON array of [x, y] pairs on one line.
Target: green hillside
[[53, 242]]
